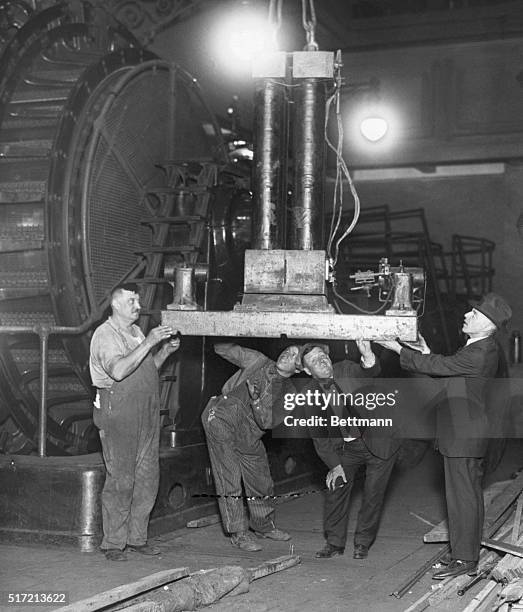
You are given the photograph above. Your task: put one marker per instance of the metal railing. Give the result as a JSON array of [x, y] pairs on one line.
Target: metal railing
[[44, 332]]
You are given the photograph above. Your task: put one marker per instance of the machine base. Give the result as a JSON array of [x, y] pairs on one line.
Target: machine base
[[56, 500], [52, 500]]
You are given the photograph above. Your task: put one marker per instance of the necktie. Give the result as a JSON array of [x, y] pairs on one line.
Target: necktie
[[342, 409]]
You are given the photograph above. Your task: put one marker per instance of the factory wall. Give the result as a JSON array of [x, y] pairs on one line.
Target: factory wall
[[486, 206]]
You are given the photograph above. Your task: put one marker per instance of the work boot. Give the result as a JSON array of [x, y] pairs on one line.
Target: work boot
[[274, 534], [115, 554], [360, 551], [145, 549], [244, 541]]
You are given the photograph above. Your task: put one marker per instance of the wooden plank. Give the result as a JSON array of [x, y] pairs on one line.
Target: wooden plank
[[420, 604], [485, 595], [440, 533], [509, 568], [274, 565], [517, 520], [125, 591], [505, 547], [497, 509], [274, 324], [503, 500], [204, 521]]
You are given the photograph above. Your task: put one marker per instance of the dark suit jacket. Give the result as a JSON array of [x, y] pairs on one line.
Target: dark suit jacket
[[328, 441], [462, 426]]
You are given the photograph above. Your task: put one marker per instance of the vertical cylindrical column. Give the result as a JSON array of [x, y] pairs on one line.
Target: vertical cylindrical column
[[270, 165], [306, 222], [183, 295], [42, 414]]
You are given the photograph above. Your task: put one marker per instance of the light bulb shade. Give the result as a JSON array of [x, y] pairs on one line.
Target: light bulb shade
[[374, 128]]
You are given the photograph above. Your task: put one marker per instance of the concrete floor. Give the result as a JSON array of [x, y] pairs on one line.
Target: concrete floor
[[415, 499]]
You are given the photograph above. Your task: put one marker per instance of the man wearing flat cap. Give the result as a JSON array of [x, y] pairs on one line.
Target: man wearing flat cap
[[463, 444]]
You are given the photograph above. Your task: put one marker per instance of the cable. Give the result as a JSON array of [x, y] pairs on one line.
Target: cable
[[362, 310], [341, 172]]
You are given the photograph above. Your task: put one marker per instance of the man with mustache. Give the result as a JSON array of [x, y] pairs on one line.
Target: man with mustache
[[127, 413]]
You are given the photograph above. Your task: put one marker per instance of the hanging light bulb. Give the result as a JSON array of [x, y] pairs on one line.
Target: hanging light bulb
[[243, 35], [373, 120], [374, 128]]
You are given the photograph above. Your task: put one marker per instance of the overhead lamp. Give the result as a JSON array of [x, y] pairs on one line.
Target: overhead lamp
[[242, 35], [374, 125], [374, 128], [372, 119]]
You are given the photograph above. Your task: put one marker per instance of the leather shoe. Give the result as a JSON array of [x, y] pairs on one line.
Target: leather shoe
[[274, 534], [360, 552], [145, 549], [457, 567], [114, 554], [244, 541], [445, 560], [329, 550]]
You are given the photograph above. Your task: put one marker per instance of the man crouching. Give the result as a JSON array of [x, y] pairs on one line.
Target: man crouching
[[234, 423]]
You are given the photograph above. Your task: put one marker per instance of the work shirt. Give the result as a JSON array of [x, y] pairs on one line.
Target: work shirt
[[108, 344], [261, 372]]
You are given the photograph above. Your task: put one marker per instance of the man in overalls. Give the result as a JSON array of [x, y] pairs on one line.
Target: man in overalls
[[127, 414], [234, 423]]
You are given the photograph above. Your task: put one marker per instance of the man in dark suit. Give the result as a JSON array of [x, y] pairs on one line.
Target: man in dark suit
[[345, 449], [462, 423]]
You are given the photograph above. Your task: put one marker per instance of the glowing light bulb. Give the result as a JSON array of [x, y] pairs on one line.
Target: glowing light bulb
[[241, 38], [374, 128]]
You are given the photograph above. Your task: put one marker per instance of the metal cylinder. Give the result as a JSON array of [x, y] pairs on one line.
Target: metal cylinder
[[183, 298], [306, 222], [270, 164]]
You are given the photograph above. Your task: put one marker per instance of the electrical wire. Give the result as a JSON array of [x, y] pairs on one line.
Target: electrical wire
[[342, 173], [353, 305]]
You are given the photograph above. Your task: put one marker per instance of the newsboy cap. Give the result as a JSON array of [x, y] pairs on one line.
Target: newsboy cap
[[495, 308]]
